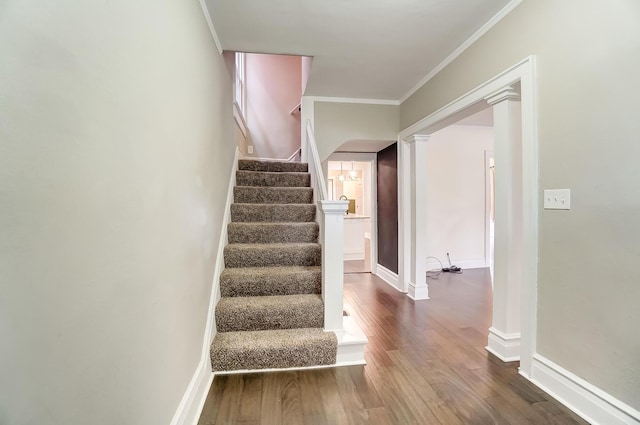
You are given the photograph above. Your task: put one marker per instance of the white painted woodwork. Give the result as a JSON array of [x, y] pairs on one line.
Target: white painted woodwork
[[330, 215], [504, 335], [332, 222], [417, 288], [523, 72], [585, 399]]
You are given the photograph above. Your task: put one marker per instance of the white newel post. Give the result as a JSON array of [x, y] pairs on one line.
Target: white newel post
[[417, 287], [504, 334], [332, 240]]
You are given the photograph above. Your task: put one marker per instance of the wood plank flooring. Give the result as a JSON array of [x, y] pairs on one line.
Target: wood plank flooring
[[426, 365]]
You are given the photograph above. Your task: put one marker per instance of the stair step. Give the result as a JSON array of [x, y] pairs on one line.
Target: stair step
[[273, 349], [259, 281], [275, 166], [273, 212], [266, 255], [272, 179], [272, 232], [272, 195], [269, 312]]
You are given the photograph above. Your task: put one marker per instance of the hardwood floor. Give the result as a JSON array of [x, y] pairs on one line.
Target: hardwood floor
[[426, 365]]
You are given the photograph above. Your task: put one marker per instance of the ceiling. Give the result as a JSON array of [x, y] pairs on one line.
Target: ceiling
[[371, 49]]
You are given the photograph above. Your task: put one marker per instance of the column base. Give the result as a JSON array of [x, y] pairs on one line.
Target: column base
[[417, 293], [506, 347]]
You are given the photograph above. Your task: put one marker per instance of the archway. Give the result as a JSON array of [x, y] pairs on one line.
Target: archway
[[512, 95]]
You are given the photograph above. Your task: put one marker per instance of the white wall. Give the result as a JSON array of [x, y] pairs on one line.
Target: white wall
[[116, 145], [587, 67], [455, 194], [274, 88]]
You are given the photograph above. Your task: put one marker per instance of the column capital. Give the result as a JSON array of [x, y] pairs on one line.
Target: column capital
[[333, 207], [507, 93], [417, 138]]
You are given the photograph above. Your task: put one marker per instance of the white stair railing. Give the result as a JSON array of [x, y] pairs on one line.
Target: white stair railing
[[331, 220]]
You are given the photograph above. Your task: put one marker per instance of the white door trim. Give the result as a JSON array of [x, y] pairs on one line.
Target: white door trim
[[523, 72], [371, 159]]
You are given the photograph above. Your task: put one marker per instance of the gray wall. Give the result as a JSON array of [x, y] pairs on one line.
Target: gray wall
[[116, 147], [337, 123], [588, 62]]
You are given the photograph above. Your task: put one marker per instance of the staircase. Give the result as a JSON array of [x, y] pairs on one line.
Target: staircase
[[271, 313]]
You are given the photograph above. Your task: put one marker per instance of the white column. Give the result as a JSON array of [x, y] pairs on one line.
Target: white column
[[417, 287], [331, 238], [404, 215], [504, 334]]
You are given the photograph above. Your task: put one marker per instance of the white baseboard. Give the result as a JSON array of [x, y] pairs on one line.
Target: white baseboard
[[477, 263], [388, 276], [504, 346], [190, 407], [586, 400]]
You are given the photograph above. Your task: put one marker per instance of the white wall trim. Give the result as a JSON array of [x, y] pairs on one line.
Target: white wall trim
[[388, 276], [418, 292], [524, 72], [190, 407], [192, 402], [464, 46], [371, 159], [585, 399], [506, 347], [354, 100], [212, 30]]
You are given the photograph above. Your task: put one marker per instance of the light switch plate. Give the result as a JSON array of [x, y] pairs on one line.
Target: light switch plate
[[557, 199], [249, 149]]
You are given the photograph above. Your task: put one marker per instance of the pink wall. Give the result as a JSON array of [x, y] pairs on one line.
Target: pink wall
[[273, 85]]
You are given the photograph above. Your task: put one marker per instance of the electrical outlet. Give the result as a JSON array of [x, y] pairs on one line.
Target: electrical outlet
[[249, 149], [557, 199]]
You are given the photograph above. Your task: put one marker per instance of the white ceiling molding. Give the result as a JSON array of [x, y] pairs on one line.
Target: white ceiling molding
[[354, 100], [464, 46], [212, 30]]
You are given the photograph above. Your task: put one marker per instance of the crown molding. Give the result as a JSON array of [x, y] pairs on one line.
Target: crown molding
[[212, 30], [464, 46], [354, 100]]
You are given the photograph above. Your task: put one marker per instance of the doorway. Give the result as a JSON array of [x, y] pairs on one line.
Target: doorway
[[512, 335], [352, 178]]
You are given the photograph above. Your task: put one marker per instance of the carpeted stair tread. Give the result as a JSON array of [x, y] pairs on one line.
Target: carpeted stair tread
[[245, 233], [273, 213], [273, 349], [269, 312], [274, 166], [272, 195], [266, 255], [273, 179], [259, 281]]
